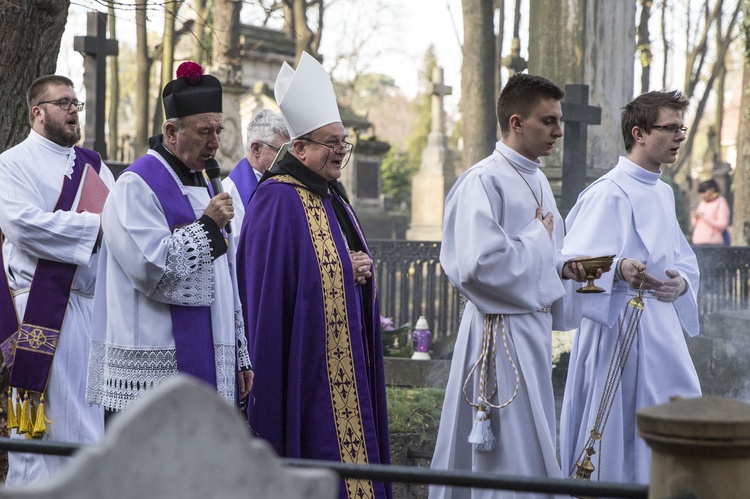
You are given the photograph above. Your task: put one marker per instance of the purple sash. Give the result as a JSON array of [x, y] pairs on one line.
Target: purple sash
[[244, 178], [191, 326], [29, 349]]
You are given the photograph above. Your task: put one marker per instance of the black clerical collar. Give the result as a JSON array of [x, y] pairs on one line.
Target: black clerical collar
[[289, 165], [185, 174]]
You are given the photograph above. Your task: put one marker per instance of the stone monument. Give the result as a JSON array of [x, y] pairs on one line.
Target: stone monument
[[436, 174], [587, 42], [95, 48], [179, 440]]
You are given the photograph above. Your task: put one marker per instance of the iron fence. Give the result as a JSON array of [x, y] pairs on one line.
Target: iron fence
[[411, 283], [402, 474]]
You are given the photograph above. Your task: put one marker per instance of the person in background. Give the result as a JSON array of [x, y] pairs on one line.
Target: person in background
[[711, 218], [51, 194], [266, 133], [167, 303]]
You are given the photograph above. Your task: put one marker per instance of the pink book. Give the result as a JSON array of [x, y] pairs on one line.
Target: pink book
[[94, 192]]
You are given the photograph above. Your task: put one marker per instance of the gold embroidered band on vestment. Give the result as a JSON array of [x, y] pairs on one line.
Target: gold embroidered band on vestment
[[339, 357]]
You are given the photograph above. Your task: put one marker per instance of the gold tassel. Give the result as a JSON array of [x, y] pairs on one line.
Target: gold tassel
[[39, 425], [32, 409], [24, 423], [18, 409], [12, 421]]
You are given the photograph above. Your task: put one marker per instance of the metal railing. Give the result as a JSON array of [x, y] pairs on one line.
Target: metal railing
[[403, 474], [411, 283]]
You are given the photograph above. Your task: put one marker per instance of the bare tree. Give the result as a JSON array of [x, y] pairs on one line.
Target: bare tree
[[665, 43], [694, 75], [741, 208], [500, 9], [478, 84], [143, 67], [113, 88], [643, 44], [31, 35], [202, 45]]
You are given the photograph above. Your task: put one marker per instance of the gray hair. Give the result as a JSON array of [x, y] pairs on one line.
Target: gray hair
[[178, 122], [264, 126]]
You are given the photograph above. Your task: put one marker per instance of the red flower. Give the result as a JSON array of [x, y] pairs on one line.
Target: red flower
[[191, 71]]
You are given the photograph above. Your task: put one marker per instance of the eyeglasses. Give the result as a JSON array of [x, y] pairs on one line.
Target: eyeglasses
[[671, 128], [269, 145], [344, 147], [64, 104]]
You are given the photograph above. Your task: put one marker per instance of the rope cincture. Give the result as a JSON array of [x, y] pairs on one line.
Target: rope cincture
[[481, 436], [623, 345]]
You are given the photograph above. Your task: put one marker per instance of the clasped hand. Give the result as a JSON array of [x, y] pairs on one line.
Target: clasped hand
[[634, 272]]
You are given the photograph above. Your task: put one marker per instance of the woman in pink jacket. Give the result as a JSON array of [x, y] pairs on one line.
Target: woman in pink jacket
[[711, 218]]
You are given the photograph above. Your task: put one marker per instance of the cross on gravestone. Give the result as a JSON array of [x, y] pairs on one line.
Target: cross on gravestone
[[95, 48], [438, 90], [577, 114]]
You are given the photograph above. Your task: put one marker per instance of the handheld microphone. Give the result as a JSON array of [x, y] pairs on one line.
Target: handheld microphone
[[213, 171]]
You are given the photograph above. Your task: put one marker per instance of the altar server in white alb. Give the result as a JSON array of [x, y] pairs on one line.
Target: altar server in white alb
[[51, 194], [502, 236], [630, 213], [166, 302]]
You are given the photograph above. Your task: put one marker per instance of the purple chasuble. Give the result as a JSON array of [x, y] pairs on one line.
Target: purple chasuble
[[29, 349], [315, 345], [244, 179], [191, 326]]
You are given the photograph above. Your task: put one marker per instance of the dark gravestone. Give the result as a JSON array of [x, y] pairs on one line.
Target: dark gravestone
[[95, 48], [577, 115]]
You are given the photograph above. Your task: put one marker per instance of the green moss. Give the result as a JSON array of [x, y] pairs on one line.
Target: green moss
[[415, 410]]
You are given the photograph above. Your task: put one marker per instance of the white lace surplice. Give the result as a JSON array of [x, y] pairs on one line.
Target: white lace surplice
[[145, 268]]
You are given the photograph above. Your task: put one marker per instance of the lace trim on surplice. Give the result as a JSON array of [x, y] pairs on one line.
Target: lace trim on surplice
[[117, 376], [243, 356], [189, 277]]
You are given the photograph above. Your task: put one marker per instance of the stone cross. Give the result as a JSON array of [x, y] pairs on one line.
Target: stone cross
[[577, 114], [438, 90], [95, 48]]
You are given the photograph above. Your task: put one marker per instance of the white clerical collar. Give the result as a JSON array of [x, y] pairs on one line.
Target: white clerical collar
[[637, 172], [45, 142], [519, 161], [68, 152]]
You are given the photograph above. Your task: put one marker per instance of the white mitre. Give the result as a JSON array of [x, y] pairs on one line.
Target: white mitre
[[305, 97]]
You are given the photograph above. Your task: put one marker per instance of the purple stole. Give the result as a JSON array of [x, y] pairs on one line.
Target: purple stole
[[243, 176], [29, 348], [191, 326]]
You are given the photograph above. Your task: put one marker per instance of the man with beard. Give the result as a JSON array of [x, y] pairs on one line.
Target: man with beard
[[51, 193], [310, 303], [166, 302]]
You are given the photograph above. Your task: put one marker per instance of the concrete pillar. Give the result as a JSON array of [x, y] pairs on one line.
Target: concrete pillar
[[700, 448]]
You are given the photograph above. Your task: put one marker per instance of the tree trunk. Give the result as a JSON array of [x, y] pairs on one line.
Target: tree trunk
[[644, 45], [500, 7], [665, 43], [303, 34], [114, 89], [478, 84], [31, 33], [741, 208], [167, 58], [226, 38], [143, 66], [200, 53]]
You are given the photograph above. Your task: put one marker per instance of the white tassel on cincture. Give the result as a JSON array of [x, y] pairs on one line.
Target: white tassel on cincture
[[481, 436]]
